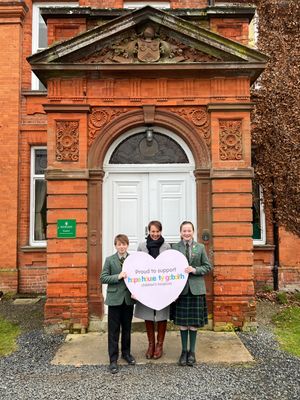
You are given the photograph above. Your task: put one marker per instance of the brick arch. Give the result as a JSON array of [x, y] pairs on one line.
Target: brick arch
[[162, 118], [98, 150]]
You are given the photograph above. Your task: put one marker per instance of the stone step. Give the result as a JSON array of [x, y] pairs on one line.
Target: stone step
[[138, 325]]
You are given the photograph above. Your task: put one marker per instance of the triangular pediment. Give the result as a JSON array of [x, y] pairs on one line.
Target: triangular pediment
[[145, 36], [147, 43]]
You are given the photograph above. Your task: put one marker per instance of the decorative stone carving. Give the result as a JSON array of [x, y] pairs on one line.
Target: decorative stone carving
[[147, 47], [231, 147], [100, 117], [67, 140], [199, 117]]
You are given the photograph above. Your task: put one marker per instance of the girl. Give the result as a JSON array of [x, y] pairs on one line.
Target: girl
[[189, 311]]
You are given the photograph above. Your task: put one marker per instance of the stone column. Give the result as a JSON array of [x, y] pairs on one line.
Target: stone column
[[231, 175], [67, 199], [95, 297]]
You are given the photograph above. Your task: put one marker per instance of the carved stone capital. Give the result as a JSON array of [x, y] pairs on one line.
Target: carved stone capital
[[202, 173], [96, 175]]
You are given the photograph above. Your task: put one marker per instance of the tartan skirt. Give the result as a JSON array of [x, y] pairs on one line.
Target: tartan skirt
[[189, 310]]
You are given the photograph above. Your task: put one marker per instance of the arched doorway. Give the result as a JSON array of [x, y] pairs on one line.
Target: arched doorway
[[148, 175], [192, 145]]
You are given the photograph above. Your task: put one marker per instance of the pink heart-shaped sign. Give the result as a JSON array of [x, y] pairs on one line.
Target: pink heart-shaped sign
[[156, 282]]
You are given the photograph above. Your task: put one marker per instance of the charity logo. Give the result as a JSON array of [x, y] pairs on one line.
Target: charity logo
[[157, 282]]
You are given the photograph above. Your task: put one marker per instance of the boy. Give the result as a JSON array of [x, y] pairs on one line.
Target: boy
[[120, 304]]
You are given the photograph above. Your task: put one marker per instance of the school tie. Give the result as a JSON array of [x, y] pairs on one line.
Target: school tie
[[187, 252], [122, 259]]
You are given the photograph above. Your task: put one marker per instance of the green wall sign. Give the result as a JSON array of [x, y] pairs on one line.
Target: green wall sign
[[66, 228]]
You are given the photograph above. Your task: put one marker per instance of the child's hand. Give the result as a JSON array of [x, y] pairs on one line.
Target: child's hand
[[122, 275], [190, 269]]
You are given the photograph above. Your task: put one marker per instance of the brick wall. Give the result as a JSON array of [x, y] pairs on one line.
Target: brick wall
[[11, 16], [67, 258], [233, 258], [289, 254], [233, 28]]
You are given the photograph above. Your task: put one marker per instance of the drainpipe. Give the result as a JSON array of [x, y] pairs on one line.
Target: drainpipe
[[276, 251]]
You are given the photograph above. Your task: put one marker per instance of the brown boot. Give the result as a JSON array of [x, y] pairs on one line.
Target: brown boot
[[151, 338], [161, 331]]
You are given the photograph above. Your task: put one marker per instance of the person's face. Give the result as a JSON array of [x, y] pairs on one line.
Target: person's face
[[187, 232], [154, 233], [121, 247]]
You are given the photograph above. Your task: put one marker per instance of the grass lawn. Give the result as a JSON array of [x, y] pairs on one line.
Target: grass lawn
[[8, 335], [287, 329]]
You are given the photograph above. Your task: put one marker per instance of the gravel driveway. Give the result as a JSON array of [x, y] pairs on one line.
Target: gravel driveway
[[28, 374]]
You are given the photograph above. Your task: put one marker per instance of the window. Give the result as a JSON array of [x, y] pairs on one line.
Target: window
[[39, 34], [259, 219], [139, 4], [38, 197]]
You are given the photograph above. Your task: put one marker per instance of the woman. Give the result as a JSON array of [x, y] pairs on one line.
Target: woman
[[189, 311], [154, 245]]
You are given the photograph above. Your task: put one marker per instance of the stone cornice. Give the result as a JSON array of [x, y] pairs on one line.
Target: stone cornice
[[236, 173], [230, 107], [12, 12], [185, 13], [252, 70], [67, 108], [66, 175]]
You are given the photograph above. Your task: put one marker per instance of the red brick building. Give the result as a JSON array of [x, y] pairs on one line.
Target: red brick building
[[147, 111]]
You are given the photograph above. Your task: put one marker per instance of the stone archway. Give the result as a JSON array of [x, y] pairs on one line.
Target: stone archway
[[149, 115]]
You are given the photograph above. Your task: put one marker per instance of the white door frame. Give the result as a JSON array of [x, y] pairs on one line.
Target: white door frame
[[144, 168]]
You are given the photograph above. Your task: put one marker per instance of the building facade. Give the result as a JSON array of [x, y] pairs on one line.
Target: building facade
[[115, 113]]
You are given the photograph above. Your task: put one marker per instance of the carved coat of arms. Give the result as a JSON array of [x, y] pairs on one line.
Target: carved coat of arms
[[148, 50]]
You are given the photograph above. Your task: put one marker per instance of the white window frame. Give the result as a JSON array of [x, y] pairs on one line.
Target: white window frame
[[35, 31], [33, 178], [262, 215]]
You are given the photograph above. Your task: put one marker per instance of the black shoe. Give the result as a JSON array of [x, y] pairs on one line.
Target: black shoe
[[129, 359], [183, 359], [191, 359], [113, 367]]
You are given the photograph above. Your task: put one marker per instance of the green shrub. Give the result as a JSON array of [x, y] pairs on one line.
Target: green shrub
[[281, 297]]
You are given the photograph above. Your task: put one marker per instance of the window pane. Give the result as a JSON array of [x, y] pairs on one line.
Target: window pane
[[155, 149], [257, 229], [40, 162], [42, 33], [40, 210], [41, 86]]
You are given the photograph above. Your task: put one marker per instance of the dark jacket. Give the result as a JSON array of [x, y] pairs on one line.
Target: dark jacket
[[117, 291]]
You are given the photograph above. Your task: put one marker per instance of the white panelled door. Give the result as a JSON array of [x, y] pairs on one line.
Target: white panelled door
[[131, 200]]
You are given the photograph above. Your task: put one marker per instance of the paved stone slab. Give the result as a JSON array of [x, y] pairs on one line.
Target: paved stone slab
[[212, 347], [26, 301]]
